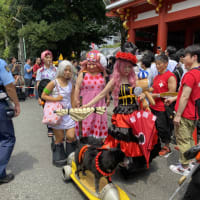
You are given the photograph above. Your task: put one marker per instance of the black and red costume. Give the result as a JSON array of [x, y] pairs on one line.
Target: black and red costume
[[134, 129]]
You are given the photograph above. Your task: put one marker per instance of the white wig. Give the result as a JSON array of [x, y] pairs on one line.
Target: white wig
[[62, 66]]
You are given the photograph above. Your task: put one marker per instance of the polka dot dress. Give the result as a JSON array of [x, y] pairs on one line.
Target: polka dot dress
[[94, 125]]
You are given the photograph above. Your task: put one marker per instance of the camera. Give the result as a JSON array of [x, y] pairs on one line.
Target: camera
[[10, 111], [18, 63]]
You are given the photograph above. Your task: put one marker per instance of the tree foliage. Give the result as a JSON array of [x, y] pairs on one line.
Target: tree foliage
[[7, 30], [62, 26]]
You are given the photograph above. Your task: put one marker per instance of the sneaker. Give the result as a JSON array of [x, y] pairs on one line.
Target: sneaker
[[176, 148], [192, 164], [164, 151], [178, 169]]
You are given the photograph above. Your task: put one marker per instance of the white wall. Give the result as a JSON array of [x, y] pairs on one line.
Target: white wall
[[146, 15], [184, 5]]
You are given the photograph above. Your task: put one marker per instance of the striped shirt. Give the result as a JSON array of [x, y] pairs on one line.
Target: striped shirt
[[46, 73]]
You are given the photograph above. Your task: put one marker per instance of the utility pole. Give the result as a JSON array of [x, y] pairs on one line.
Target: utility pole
[[22, 45]]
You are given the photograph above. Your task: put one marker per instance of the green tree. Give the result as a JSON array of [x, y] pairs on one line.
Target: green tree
[[8, 34], [61, 26]]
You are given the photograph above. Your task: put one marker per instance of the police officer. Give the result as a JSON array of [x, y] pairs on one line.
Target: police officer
[[7, 135]]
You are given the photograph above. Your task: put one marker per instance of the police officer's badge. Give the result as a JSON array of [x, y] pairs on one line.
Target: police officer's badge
[[7, 68]]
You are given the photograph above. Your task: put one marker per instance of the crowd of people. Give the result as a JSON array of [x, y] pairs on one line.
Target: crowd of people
[[98, 80]]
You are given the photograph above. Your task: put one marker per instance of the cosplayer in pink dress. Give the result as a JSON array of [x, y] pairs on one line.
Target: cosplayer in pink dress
[[94, 125], [92, 84]]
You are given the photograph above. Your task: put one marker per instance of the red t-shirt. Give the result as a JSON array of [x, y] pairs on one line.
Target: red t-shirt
[[35, 68], [192, 80], [160, 85]]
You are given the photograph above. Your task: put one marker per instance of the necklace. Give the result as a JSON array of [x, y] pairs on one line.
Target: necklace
[[99, 170]]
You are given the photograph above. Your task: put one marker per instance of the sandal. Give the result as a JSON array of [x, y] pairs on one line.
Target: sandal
[[164, 151], [176, 148]]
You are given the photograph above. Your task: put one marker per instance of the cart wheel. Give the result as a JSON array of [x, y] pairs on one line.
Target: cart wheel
[[70, 158], [66, 170], [109, 192]]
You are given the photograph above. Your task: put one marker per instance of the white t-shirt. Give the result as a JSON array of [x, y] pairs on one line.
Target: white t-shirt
[[150, 76], [171, 65], [154, 70], [184, 70]]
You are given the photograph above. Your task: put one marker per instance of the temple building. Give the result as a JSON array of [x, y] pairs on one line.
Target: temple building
[[158, 23]]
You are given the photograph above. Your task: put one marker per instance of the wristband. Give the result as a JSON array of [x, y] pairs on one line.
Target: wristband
[[46, 91]]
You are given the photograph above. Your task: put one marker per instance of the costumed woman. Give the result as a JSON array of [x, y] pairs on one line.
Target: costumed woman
[[125, 128], [90, 82], [61, 89], [46, 73]]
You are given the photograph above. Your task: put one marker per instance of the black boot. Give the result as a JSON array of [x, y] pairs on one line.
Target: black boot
[[59, 156], [70, 147]]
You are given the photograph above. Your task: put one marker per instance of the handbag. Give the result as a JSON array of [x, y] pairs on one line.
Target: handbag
[[49, 117]]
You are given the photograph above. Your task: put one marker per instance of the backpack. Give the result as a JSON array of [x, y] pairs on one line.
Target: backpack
[[178, 72], [43, 83], [197, 107], [197, 102]]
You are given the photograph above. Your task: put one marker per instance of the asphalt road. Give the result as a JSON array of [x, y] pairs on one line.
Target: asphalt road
[[37, 179]]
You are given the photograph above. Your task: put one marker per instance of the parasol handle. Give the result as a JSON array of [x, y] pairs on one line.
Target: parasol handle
[[150, 98], [137, 92], [80, 122]]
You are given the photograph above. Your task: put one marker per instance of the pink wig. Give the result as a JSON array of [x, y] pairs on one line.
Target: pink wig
[[85, 62], [118, 70], [44, 54], [95, 57]]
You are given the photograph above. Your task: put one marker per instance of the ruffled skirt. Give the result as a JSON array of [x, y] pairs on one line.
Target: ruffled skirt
[[122, 132]]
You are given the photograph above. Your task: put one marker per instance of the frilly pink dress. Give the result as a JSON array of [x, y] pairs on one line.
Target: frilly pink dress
[[94, 125]]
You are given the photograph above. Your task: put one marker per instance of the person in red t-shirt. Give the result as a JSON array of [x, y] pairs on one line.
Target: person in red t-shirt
[[184, 120], [36, 66], [165, 81]]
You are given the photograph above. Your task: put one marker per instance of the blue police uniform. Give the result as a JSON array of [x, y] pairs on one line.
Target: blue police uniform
[[7, 135]]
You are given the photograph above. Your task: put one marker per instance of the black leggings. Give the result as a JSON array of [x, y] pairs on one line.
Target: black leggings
[[163, 126]]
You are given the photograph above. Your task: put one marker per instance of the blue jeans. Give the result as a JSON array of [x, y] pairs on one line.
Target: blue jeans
[[7, 139]]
